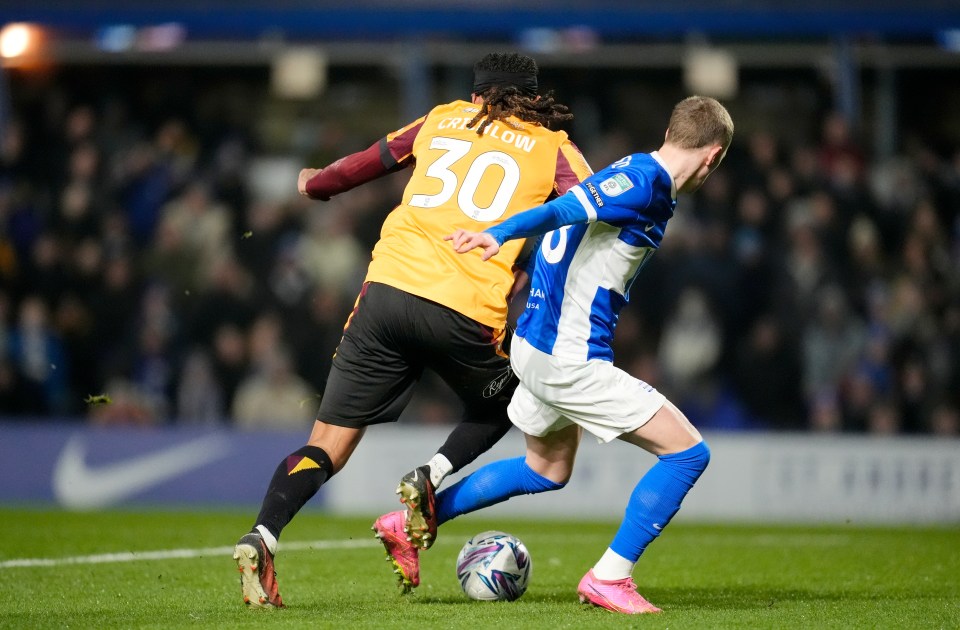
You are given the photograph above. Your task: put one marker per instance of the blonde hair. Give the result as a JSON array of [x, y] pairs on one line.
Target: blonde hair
[[699, 121]]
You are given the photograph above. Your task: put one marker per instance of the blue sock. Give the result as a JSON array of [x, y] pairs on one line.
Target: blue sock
[[494, 483], [657, 498]]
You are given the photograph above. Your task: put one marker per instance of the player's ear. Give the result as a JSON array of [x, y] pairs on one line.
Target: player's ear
[[714, 155]]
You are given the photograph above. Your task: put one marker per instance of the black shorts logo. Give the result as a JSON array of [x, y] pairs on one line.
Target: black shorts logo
[[494, 387]]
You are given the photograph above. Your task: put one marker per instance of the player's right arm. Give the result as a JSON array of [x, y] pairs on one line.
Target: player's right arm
[[391, 153], [570, 170], [565, 210], [581, 204]]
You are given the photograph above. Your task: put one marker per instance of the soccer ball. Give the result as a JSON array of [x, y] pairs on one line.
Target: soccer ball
[[494, 566]]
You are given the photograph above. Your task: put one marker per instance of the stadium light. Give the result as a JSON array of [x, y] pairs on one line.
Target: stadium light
[[710, 72], [18, 39], [299, 73]]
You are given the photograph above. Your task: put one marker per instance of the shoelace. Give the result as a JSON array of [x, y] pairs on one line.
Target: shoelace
[[627, 584]]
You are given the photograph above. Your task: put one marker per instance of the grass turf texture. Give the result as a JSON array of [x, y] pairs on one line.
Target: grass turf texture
[[723, 576]]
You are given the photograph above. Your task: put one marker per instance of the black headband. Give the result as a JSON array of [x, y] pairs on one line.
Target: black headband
[[526, 82]]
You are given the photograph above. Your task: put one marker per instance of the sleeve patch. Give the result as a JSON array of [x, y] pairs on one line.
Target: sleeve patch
[[616, 185]]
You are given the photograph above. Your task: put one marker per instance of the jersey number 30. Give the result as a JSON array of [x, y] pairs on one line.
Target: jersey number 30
[[455, 150]]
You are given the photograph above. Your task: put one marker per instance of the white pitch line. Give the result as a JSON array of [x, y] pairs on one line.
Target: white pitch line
[[780, 540], [167, 554]]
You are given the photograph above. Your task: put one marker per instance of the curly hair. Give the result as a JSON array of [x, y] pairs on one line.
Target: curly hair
[[502, 101]]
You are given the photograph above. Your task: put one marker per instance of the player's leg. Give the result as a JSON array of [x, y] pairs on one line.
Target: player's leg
[[494, 483], [552, 455], [468, 440], [547, 466], [301, 474], [369, 382], [667, 431], [682, 458], [610, 403], [295, 481], [472, 360], [552, 442]]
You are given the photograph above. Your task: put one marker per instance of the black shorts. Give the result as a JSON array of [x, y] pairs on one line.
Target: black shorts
[[391, 338]]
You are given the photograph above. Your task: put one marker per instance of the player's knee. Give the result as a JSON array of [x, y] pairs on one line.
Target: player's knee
[[690, 462], [553, 478], [702, 455], [337, 441], [695, 458]]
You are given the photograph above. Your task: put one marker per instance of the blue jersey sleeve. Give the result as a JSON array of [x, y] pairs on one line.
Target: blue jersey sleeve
[[564, 210], [618, 196]]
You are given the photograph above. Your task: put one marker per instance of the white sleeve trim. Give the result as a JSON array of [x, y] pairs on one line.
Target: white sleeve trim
[[585, 202]]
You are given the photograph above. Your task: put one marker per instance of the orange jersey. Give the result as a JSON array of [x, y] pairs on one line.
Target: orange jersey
[[463, 180]]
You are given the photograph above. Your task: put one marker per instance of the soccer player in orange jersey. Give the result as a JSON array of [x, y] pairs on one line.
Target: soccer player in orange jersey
[[422, 306]]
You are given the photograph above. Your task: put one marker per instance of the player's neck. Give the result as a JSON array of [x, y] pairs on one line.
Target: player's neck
[[678, 162], [682, 163]]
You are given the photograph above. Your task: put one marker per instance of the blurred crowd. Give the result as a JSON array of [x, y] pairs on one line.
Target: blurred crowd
[[811, 287], [808, 286]]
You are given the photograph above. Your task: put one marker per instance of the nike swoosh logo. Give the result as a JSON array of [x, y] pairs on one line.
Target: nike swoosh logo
[[77, 485], [649, 227]]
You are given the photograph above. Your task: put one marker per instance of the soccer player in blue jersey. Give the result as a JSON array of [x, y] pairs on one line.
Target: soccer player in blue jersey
[[597, 238]]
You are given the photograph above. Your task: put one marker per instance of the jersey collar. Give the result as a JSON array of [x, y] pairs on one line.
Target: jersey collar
[[673, 185]]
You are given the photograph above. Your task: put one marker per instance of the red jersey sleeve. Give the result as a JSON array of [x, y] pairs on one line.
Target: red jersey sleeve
[[572, 168], [391, 153]]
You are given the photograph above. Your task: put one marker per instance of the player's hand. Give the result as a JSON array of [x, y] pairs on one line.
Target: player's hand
[[465, 240], [306, 175]]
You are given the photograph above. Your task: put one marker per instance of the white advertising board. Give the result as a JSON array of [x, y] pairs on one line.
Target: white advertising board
[[751, 477]]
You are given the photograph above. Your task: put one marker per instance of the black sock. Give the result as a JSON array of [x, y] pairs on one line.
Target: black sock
[[469, 440], [297, 478]]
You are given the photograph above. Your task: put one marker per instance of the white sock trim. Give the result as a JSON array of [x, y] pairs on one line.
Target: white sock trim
[[268, 538], [613, 566], [440, 467]]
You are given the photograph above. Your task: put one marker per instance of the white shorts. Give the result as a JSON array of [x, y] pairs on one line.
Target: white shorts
[[555, 393]]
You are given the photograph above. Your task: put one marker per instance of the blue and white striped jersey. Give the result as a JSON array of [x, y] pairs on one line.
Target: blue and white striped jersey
[[603, 230]]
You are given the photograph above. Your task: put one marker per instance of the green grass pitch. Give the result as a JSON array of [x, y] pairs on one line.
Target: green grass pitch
[[57, 571]]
